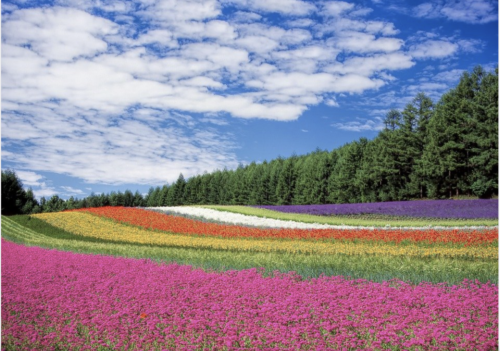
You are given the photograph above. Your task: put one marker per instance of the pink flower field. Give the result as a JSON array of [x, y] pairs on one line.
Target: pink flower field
[[53, 300]]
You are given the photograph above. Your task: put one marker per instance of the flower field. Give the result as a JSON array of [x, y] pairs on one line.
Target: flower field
[[138, 304], [84, 224], [359, 220], [199, 278], [467, 209]]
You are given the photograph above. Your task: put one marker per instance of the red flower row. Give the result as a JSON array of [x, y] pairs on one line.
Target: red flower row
[[158, 221]]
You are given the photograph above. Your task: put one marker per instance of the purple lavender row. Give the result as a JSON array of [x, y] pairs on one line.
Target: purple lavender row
[[453, 209], [75, 301]]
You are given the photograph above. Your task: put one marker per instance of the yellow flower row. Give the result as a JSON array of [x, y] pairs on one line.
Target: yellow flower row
[[92, 226]]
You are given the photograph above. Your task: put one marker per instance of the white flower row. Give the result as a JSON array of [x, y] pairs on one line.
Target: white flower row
[[254, 221], [238, 219]]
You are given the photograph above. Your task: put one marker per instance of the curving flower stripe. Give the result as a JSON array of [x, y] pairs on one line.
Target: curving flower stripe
[[85, 224], [177, 224], [262, 217]]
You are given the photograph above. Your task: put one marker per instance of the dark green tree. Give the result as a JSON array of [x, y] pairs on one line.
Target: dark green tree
[[286, 182], [54, 204], [154, 197], [341, 185], [138, 199], [128, 198], [31, 204], [483, 136], [239, 188], [276, 167], [13, 194], [462, 136]]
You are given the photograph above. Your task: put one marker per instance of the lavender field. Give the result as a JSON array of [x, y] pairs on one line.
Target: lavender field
[[453, 209]]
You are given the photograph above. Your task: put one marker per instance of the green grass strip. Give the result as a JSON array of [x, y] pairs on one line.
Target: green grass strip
[[46, 230], [375, 268], [353, 221]]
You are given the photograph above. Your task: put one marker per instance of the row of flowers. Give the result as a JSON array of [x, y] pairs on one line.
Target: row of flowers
[[88, 225], [273, 219], [423, 209], [177, 224], [54, 299]]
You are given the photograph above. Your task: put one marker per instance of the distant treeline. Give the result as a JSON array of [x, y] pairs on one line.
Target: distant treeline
[[425, 151]]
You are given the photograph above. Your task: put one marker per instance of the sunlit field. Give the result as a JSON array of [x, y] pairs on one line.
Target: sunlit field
[[227, 278]]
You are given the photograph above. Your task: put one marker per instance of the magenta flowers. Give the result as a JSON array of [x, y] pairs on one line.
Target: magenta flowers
[[52, 298]]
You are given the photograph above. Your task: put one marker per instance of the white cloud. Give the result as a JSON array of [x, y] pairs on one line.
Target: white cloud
[[60, 34], [307, 59], [336, 8], [430, 45], [137, 97], [472, 46], [300, 84], [220, 56], [290, 7], [468, 11], [424, 10], [164, 12], [257, 44], [220, 30], [342, 24], [450, 76], [129, 151], [433, 49], [285, 37], [104, 5], [72, 191], [432, 89], [300, 22], [35, 182], [332, 102], [363, 42], [30, 179], [44, 192], [245, 17], [214, 120], [156, 36], [367, 66], [202, 82], [360, 125]]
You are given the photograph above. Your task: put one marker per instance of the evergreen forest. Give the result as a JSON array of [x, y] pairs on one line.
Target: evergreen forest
[[427, 150]]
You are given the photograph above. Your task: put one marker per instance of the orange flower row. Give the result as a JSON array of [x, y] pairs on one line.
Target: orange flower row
[[158, 221]]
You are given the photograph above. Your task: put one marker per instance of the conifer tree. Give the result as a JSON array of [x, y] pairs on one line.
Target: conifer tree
[[286, 182], [13, 194], [138, 199]]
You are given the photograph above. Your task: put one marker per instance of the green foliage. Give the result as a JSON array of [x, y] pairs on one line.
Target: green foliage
[[461, 155], [482, 187], [286, 182], [15, 199]]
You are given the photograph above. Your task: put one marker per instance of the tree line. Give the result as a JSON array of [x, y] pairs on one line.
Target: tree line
[[427, 150]]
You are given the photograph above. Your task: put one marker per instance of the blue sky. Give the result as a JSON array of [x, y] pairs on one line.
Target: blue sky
[[104, 95]]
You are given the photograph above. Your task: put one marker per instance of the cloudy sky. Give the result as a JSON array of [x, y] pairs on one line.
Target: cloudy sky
[[102, 95]]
